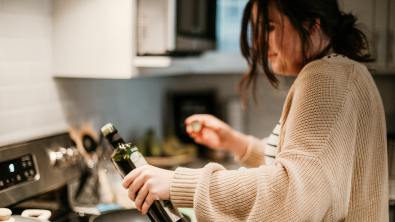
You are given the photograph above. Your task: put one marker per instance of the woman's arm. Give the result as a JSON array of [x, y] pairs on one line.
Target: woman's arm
[[295, 189], [218, 135]]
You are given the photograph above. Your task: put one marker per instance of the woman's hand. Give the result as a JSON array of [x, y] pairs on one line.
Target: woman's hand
[[217, 135], [147, 184]]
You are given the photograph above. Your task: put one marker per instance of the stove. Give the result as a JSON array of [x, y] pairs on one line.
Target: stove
[[49, 174], [36, 174]]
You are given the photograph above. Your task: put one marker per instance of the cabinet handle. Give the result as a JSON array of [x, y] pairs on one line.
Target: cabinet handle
[[391, 47], [375, 41], [380, 47]]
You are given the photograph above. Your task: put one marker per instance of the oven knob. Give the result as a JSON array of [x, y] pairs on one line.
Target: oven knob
[[64, 157], [60, 159], [5, 215], [73, 156]]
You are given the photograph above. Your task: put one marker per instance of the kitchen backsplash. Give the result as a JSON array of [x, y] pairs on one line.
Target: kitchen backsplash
[[138, 104], [33, 104], [29, 102]]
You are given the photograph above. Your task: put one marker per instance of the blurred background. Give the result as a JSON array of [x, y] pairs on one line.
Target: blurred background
[[145, 65], [57, 68]]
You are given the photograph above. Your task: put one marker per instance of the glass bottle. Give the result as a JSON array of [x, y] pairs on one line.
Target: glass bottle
[[126, 157]]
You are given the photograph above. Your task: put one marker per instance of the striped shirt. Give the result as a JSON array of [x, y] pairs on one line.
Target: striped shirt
[[271, 147]]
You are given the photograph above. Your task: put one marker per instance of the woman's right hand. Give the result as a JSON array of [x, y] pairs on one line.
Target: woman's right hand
[[218, 135]]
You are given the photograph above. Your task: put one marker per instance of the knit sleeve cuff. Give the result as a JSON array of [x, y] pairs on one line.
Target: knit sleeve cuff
[[255, 154], [183, 186]]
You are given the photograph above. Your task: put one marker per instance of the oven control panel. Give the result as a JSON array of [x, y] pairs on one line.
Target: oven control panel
[[17, 171], [27, 168]]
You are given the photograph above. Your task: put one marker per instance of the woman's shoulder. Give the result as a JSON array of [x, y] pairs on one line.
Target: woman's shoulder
[[330, 69], [339, 64], [330, 79], [324, 79]]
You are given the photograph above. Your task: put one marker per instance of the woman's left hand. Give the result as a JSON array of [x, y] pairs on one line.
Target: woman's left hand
[[147, 184]]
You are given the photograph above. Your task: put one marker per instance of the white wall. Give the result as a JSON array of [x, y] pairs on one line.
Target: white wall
[[29, 102]]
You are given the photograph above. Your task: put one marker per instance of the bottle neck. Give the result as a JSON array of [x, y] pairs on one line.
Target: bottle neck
[[115, 140]]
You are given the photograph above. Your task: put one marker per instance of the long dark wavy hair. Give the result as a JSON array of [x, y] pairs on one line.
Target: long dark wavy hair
[[345, 37]]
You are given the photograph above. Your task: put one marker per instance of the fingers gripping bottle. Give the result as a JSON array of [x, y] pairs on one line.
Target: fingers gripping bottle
[[126, 157]]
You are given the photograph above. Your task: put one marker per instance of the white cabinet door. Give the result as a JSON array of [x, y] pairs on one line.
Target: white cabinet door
[[391, 37], [378, 23], [364, 11], [380, 35], [93, 38]]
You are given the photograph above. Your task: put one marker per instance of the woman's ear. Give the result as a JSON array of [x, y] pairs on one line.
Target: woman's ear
[[315, 27]]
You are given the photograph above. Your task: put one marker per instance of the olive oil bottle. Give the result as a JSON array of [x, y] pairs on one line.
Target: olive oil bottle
[[126, 157]]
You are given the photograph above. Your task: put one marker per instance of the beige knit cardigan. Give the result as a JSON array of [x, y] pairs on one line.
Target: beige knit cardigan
[[331, 164]]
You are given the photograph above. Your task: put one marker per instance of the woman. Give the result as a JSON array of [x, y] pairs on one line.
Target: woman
[[331, 163]]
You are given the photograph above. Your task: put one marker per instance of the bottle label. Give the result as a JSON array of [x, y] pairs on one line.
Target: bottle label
[[134, 157]]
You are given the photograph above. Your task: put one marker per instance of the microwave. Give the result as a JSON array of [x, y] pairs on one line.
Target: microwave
[[175, 27]]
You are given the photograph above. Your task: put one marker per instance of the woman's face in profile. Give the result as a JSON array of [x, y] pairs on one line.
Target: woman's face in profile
[[285, 51]]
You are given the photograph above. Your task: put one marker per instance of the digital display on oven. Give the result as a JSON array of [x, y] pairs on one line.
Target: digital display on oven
[[16, 171]]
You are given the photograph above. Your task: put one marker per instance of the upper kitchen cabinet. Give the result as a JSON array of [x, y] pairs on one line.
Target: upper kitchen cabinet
[[130, 38], [94, 38], [391, 36], [378, 23]]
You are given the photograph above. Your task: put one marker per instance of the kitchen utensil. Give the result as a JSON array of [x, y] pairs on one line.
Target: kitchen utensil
[[130, 215], [87, 144]]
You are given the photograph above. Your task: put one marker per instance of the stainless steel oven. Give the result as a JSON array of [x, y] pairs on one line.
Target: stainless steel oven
[[43, 178], [35, 174]]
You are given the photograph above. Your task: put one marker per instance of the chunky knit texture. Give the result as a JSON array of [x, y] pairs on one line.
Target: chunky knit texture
[[331, 163]]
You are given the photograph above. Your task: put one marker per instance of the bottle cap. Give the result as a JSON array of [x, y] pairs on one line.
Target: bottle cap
[[196, 126], [107, 129]]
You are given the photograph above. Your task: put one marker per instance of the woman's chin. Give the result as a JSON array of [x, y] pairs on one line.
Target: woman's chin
[[278, 70]]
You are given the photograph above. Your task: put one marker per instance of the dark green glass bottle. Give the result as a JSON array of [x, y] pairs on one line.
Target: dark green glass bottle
[[126, 157]]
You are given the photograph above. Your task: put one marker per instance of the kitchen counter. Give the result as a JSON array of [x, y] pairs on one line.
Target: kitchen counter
[[228, 162]]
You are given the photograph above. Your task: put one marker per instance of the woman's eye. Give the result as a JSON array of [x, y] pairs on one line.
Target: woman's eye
[[270, 28]]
